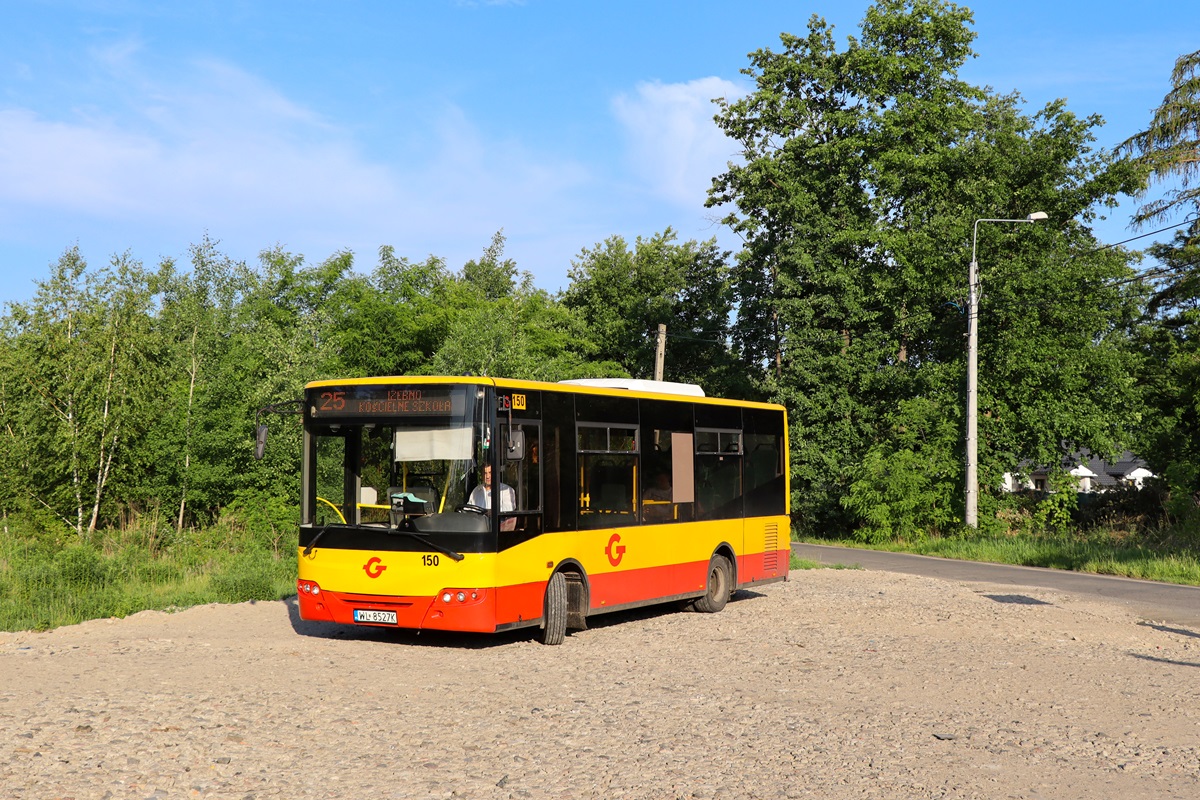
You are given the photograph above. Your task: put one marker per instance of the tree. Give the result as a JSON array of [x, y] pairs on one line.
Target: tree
[[393, 321], [189, 448], [1168, 152], [1169, 149], [501, 326], [77, 399], [623, 295], [863, 170], [493, 275]]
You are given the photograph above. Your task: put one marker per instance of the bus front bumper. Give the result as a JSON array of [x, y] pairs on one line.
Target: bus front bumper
[[470, 609]]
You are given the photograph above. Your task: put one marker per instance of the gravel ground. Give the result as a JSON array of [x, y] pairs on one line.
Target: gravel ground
[[843, 684]]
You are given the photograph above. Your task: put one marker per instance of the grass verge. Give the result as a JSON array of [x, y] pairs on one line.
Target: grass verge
[[46, 584], [796, 563], [1099, 554]]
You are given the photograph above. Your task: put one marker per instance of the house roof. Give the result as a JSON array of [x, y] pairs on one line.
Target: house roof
[[1119, 471], [1104, 473]]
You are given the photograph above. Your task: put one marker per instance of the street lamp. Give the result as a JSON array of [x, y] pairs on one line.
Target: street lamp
[[972, 492]]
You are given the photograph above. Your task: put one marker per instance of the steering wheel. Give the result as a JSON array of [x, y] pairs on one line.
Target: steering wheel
[[474, 509]]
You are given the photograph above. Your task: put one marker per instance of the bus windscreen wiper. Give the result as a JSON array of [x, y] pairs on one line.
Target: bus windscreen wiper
[[424, 539], [313, 541]]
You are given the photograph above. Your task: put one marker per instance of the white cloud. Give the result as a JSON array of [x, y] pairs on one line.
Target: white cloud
[[222, 151], [674, 143]]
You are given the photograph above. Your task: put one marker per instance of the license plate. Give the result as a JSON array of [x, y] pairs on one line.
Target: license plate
[[378, 617]]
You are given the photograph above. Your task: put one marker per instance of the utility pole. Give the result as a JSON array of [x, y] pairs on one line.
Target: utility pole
[[972, 489], [660, 352]]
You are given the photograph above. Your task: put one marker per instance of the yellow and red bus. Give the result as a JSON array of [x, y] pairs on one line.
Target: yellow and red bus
[[608, 495]]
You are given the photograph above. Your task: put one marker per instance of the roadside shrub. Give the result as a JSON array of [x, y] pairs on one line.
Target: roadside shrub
[[1013, 511], [1126, 509], [257, 522], [905, 488], [1182, 500], [251, 577]]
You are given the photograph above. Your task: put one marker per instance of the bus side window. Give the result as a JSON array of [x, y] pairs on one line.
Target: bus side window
[[669, 479], [766, 464], [608, 465], [719, 474]]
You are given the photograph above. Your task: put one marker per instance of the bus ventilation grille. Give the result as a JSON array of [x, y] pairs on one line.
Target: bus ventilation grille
[[771, 548]]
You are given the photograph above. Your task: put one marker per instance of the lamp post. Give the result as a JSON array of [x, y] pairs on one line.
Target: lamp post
[[972, 491]]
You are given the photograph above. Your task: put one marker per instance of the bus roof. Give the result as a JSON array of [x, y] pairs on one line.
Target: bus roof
[[640, 385], [588, 385]]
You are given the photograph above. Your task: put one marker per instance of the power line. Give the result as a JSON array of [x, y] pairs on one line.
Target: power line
[[837, 337]]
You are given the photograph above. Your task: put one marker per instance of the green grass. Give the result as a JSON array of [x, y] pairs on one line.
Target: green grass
[[46, 583], [1102, 553], [796, 563]]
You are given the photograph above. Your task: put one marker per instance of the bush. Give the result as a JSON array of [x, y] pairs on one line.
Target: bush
[[45, 582], [255, 522], [250, 577]]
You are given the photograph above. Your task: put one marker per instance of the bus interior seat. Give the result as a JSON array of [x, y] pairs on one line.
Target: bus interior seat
[[367, 496], [420, 491], [427, 493]]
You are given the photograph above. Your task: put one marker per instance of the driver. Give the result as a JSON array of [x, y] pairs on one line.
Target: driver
[[481, 496]]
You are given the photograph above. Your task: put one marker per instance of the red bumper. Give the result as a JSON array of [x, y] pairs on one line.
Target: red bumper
[[465, 610]]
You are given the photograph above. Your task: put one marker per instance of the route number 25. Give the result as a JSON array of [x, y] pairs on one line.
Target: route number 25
[[333, 401]]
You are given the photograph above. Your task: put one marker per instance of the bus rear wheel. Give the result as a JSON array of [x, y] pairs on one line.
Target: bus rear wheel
[[554, 612], [720, 583]]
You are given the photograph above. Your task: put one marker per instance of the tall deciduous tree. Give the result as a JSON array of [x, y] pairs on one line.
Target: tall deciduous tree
[[188, 451], [863, 170], [493, 275], [499, 324], [78, 398], [623, 294], [392, 321]]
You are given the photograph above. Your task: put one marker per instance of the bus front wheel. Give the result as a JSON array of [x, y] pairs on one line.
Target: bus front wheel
[[720, 582], [554, 612]]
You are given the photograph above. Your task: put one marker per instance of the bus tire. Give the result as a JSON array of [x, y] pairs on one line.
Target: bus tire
[[554, 612], [720, 582]]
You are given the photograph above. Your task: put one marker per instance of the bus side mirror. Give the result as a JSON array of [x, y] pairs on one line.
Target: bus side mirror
[[515, 451], [260, 442]]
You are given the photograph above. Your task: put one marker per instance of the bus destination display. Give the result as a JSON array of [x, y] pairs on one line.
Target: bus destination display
[[386, 401]]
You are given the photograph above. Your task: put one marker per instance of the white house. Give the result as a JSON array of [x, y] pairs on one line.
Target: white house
[[1093, 473]]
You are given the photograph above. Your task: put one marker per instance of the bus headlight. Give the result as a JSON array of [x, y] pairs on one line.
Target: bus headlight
[[464, 596]]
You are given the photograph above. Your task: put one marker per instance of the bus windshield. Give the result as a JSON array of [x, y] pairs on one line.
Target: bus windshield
[[383, 456]]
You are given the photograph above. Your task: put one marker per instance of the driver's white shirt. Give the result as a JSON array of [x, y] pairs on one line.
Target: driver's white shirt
[[482, 497]]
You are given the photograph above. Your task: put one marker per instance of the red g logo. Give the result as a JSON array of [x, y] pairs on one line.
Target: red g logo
[[615, 549], [374, 567]]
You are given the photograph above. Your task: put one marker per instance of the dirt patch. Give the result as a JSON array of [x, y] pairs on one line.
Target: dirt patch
[[853, 684]]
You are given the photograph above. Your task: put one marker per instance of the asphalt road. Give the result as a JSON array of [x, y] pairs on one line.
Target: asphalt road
[[1160, 602]]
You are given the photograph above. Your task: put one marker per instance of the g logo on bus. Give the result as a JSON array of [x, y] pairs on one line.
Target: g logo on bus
[[374, 567], [615, 550]]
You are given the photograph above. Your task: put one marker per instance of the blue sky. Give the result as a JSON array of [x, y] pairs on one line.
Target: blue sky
[[430, 124]]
